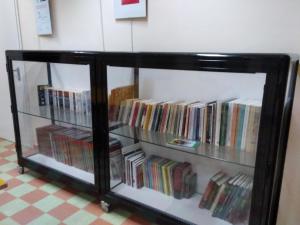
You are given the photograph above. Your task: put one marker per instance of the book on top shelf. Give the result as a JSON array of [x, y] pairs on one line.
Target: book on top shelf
[[229, 122]]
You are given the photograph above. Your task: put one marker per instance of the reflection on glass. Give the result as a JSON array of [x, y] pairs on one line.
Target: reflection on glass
[[193, 141], [54, 111]]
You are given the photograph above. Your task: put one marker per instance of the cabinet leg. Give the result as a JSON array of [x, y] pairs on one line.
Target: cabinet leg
[[105, 206], [21, 170]]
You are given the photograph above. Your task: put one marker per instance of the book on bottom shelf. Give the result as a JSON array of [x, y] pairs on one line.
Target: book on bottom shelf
[[228, 198], [161, 174], [74, 147]]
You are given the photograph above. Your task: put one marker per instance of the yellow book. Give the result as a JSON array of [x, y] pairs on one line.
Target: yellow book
[[169, 177], [165, 178], [147, 119], [3, 184]]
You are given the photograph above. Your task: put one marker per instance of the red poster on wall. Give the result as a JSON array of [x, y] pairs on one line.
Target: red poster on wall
[[127, 2]]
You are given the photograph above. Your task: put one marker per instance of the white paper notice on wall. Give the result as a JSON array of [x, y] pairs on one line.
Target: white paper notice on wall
[[43, 17], [130, 9]]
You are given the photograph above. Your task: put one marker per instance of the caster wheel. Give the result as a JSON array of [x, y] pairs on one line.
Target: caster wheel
[[105, 206], [21, 170]]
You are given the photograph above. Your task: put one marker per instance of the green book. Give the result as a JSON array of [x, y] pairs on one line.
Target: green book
[[240, 125], [224, 114]]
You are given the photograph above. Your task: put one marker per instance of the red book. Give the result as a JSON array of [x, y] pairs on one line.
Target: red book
[[128, 2], [177, 179], [136, 110], [183, 122], [165, 109]]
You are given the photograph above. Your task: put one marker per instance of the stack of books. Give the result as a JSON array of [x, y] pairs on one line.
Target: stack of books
[[43, 138], [231, 122], [133, 158], [65, 100], [228, 198], [169, 177], [70, 146], [74, 147]]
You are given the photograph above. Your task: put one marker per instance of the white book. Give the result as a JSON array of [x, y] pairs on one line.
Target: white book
[[128, 160], [83, 102], [245, 127], [87, 99], [72, 101], [78, 102], [229, 122], [192, 119], [54, 99], [46, 96], [136, 157], [218, 122]]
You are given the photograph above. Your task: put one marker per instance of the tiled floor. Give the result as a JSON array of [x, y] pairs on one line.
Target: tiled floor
[[29, 199]]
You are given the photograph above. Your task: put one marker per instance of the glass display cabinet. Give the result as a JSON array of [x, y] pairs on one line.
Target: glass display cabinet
[[182, 138], [52, 97], [198, 138]]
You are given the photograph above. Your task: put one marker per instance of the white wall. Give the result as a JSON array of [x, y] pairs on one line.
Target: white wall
[[178, 25], [8, 40]]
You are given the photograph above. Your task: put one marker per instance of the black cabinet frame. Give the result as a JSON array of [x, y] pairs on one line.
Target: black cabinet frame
[[54, 57], [280, 70]]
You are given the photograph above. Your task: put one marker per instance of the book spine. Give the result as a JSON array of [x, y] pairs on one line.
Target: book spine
[[136, 108], [245, 127], [229, 124], [240, 127], [235, 115]]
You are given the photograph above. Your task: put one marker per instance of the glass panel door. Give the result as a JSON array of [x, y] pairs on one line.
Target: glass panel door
[[55, 116], [184, 142]]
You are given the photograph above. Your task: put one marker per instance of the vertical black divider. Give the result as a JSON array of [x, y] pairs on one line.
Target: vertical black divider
[[50, 85], [136, 73]]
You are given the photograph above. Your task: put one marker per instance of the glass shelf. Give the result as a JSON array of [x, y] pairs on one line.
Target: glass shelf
[[222, 153], [69, 170], [67, 116], [186, 209], [64, 116]]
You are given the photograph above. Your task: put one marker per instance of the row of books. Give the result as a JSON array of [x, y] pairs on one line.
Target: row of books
[[164, 175], [228, 198], [231, 122], [70, 146], [169, 177], [65, 100]]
